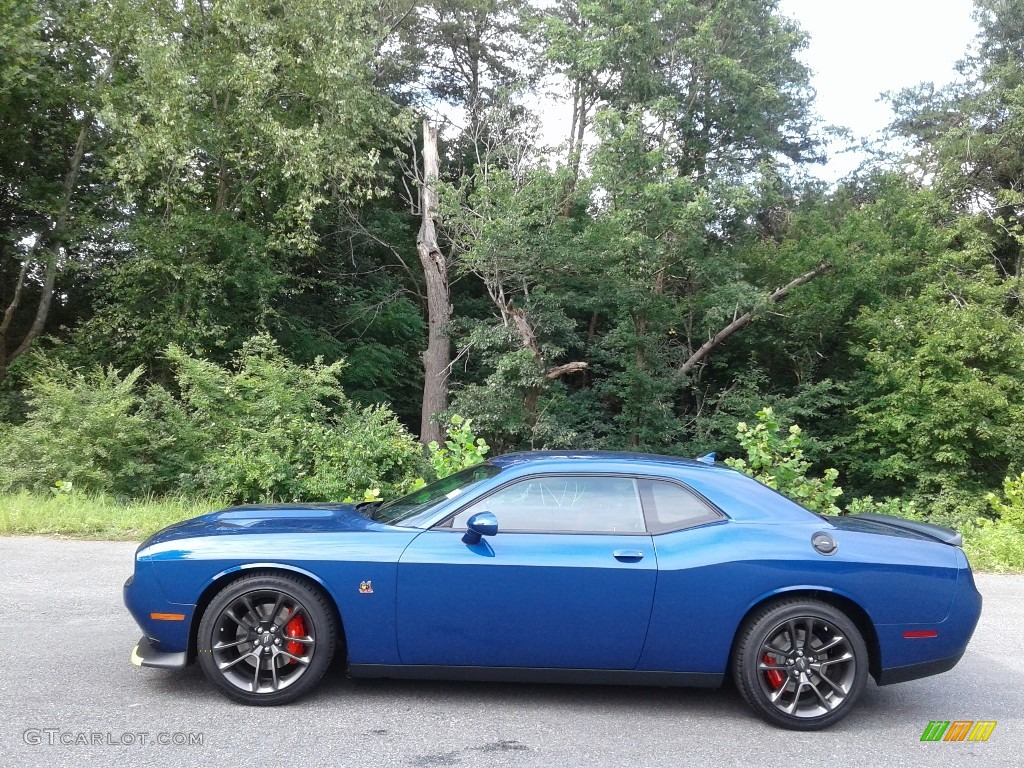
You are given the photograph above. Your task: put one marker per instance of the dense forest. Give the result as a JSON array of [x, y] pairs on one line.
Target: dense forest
[[258, 247]]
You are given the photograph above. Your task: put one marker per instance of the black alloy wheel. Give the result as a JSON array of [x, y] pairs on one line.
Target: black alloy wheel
[[267, 639], [800, 664]]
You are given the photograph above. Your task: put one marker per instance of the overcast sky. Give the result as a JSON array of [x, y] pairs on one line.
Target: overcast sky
[[858, 50]]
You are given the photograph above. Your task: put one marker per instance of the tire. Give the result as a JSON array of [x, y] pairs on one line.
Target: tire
[[267, 639], [800, 664]]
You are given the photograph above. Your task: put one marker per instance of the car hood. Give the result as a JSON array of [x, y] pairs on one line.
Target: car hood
[[269, 518]]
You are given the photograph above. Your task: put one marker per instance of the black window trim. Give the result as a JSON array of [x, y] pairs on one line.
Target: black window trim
[[445, 523]]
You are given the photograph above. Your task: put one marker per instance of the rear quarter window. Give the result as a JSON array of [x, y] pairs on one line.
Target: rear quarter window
[[671, 507]]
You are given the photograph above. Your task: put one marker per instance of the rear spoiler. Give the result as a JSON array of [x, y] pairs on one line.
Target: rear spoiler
[[937, 532]]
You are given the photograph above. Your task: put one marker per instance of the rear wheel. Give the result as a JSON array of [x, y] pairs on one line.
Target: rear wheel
[[267, 639], [800, 664]]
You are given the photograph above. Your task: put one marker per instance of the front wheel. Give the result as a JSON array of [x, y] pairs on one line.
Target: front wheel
[[266, 639], [800, 664]]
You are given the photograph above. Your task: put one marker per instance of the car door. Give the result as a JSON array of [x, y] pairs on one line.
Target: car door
[[567, 582]]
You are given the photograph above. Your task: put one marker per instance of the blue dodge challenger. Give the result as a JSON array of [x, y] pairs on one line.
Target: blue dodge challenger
[[561, 567]]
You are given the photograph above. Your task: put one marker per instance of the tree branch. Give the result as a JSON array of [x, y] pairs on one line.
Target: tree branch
[[53, 248], [559, 371], [525, 330], [15, 300], [745, 319]]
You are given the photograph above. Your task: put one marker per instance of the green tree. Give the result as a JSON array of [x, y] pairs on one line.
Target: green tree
[[688, 103], [508, 230], [939, 399], [471, 53], [236, 127], [941, 409], [968, 136], [56, 213]]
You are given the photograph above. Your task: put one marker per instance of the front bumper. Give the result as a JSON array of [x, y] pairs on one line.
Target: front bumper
[[165, 625], [145, 654]]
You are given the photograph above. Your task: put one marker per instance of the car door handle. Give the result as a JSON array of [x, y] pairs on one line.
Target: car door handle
[[628, 555]]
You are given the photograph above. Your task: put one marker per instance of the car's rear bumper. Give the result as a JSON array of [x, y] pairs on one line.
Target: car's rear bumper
[[915, 671], [912, 651], [145, 654]]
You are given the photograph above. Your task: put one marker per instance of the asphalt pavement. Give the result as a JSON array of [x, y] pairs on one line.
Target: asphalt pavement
[[70, 697]]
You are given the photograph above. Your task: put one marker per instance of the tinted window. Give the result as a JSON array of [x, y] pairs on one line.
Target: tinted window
[[577, 504], [671, 507]]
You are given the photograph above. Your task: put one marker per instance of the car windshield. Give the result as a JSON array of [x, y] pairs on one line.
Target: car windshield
[[401, 511]]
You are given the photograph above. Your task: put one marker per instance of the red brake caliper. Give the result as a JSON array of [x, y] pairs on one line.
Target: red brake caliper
[[295, 628], [775, 677]]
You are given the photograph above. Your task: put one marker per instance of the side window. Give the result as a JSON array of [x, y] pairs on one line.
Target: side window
[[572, 503], [671, 507]]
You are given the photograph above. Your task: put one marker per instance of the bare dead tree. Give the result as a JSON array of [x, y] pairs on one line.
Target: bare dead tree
[[437, 356]]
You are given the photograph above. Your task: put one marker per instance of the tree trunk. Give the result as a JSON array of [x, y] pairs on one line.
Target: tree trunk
[[437, 356]]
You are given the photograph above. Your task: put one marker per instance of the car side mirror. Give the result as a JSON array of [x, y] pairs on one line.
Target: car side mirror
[[480, 524]]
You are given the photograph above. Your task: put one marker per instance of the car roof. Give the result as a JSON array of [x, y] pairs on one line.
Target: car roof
[[560, 457]]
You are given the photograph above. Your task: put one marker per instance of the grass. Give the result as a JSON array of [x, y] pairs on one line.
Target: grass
[[994, 546], [95, 516]]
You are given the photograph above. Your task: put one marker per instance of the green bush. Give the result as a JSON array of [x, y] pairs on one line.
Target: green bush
[[261, 429], [888, 506], [269, 429], [462, 448], [994, 545], [1010, 507], [779, 463], [365, 450], [88, 429], [952, 506]]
